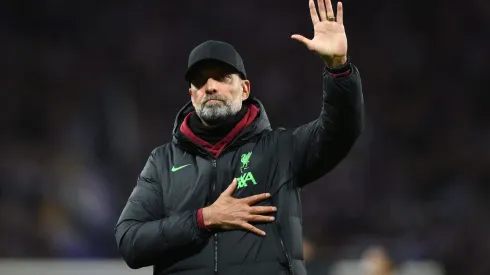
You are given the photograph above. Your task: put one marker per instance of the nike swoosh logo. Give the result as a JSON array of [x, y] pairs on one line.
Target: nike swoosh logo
[[174, 169]]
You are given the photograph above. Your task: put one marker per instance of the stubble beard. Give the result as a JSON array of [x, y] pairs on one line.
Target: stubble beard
[[215, 112]]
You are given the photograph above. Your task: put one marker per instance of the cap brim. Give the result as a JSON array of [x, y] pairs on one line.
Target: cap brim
[[192, 69]]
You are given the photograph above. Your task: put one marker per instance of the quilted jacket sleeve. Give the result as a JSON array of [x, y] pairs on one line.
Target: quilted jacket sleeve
[[323, 143]]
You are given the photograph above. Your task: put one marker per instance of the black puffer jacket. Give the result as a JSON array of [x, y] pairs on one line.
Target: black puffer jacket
[[158, 225]]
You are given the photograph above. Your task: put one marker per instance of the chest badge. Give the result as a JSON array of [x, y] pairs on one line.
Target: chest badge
[[245, 177]]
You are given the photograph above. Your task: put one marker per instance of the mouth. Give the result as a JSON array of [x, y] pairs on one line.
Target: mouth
[[213, 101]]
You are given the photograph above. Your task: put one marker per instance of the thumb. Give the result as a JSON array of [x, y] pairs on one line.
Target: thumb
[[229, 190], [302, 39]]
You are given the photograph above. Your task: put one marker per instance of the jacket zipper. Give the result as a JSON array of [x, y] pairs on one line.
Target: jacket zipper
[[215, 253], [215, 234]]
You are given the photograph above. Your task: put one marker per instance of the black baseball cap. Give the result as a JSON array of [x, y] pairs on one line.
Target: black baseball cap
[[219, 51]]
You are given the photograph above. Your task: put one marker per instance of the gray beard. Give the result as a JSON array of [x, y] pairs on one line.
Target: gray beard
[[214, 112]]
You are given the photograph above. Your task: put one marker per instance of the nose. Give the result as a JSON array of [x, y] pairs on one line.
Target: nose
[[211, 86]]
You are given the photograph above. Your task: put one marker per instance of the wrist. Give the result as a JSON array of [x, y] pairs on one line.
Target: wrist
[[203, 221], [335, 61], [207, 217]]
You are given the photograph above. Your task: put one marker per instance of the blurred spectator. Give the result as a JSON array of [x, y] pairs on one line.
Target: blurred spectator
[[376, 261]]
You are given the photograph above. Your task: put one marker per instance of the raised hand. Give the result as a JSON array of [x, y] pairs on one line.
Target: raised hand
[[230, 213], [329, 40]]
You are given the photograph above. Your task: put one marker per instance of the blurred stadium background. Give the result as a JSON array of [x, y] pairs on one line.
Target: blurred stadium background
[[89, 88]]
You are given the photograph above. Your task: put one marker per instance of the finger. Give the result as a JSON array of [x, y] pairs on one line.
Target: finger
[[321, 10], [340, 13], [256, 198], [313, 13], [330, 13], [253, 229], [262, 209], [302, 39], [231, 188], [260, 218]]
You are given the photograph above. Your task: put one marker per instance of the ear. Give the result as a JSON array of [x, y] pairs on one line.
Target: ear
[[192, 91], [245, 89]]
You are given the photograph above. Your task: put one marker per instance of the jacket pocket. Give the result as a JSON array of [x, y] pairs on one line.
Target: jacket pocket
[[285, 260]]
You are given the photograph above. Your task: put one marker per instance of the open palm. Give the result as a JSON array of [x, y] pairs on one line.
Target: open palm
[[329, 40]]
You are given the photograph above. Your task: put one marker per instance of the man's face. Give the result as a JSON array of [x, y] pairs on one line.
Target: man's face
[[217, 92]]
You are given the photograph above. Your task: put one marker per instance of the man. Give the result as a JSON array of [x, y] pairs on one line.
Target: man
[[184, 216]]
